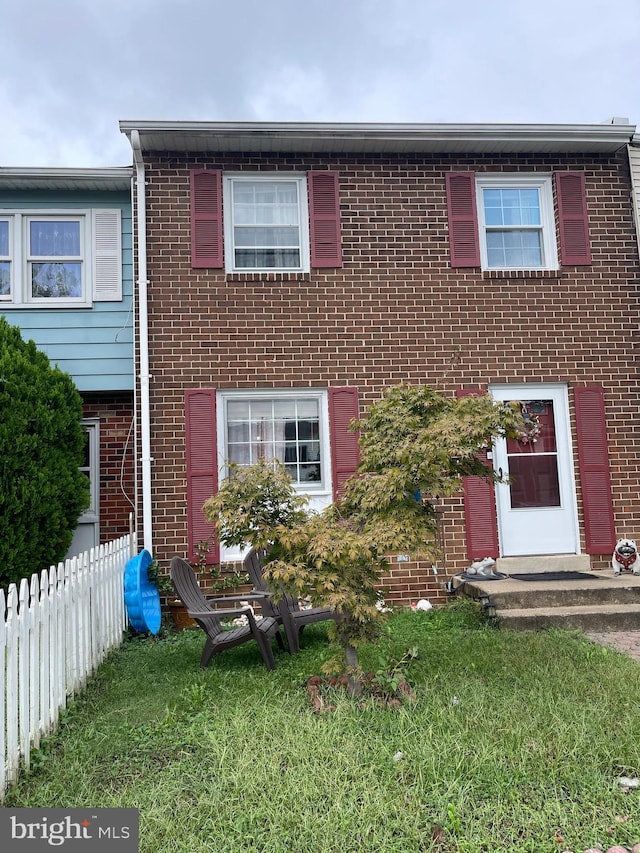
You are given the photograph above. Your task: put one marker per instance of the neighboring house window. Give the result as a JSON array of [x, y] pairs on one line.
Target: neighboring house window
[[56, 265], [515, 216], [5, 258], [266, 223], [284, 426], [60, 259]]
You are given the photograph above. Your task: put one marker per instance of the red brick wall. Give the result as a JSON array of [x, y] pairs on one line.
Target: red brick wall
[[115, 414], [395, 312]]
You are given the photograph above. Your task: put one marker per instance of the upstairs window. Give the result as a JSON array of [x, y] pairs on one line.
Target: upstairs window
[[68, 259], [263, 225], [515, 216], [5, 259], [55, 258], [264, 222]]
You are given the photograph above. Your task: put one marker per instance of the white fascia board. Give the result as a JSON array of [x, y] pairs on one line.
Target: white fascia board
[[54, 178], [287, 136]]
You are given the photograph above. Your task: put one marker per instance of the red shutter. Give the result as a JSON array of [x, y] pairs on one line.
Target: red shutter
[[206, 218], [480, 516], [593, 462], [463, 220], [345, 451], [202, 467], [573, 219], [324, 219]]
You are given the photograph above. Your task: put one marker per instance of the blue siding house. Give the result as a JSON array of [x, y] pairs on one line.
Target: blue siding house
[[66, 279]]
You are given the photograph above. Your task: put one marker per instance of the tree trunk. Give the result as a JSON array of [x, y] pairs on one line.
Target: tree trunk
[[354, 684]]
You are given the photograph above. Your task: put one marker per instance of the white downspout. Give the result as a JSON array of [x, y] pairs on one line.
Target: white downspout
[[143, 327]]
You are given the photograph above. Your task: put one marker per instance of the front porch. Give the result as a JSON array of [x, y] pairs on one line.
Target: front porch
[[597, 601]]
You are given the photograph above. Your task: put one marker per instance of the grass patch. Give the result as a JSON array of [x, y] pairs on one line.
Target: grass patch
[[513, 743]]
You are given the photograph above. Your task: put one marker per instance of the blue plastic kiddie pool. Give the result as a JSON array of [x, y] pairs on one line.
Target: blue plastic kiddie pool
[[141, 597]]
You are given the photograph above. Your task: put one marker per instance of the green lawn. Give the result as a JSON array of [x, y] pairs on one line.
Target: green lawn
[[514, 744]]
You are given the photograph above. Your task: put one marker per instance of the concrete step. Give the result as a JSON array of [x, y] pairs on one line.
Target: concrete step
[[604, 618], [512, 594], [599, 603]]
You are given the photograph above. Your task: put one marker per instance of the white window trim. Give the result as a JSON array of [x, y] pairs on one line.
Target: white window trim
[[320, 495], [92, 513], [223, 397], [541, 182], [101, 241], [303, 212], [83, 217], [10, 257]]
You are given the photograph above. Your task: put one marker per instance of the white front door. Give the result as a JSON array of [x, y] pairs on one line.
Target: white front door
[[537, 507]]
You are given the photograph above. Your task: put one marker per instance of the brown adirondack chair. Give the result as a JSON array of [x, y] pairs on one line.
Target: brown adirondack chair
[[293, 617], [199, 608]]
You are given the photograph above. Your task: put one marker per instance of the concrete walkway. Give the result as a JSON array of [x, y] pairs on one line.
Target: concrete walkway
[[627, 642]]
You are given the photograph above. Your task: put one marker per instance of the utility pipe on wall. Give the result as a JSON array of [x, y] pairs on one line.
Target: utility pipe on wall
[[143, 327]]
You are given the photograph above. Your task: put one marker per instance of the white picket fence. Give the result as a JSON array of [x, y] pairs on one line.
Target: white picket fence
[[54, 631]]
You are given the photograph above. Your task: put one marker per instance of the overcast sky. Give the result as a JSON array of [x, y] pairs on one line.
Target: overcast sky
[[71, 69]]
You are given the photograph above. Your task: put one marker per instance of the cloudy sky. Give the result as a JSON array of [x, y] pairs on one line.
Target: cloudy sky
[[70, 69]]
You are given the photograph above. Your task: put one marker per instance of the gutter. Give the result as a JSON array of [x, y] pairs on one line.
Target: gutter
[[340, 137], [143, 327]]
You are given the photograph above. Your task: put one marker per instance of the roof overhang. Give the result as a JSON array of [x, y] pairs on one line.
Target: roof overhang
[[323, 138], [115, 179]]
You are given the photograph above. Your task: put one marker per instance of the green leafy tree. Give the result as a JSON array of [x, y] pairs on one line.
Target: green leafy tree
[[416, 445], [42, 491]]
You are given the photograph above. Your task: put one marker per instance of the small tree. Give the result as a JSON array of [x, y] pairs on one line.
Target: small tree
[[42, 490], [416, 445]]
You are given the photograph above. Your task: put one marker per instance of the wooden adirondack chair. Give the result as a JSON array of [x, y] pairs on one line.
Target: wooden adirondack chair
[[293, 617], [199, 608]]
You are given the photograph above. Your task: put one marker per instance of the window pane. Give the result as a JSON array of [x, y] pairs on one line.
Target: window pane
[[540, 413], [237, 409], [267, 237], [529, 207], [54, 238], [238, 431], [284, 408], [262, 215], [267, 259], [4, 239], [56, 280], [285, 429], [511, 207], [534, 481], [512, 249], [5, 278]]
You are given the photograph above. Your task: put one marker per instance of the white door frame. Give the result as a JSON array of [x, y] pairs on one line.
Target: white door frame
[[87, 532], [522, 532]]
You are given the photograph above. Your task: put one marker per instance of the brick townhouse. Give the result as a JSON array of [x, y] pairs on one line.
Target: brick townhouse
[[289, 273]]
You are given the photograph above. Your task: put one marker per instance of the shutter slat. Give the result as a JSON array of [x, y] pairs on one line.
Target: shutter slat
[[593, 463], [202, 468], [464, 246], [206, 218], [480, 515], [324, 219], [573, 220], [345, 450]]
